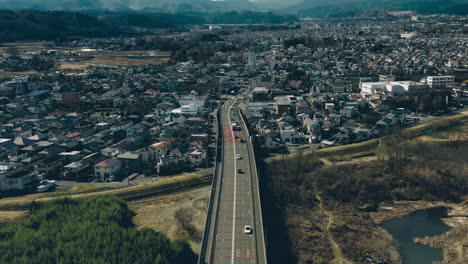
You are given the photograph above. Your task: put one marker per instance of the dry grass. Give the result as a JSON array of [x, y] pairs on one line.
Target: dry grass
[[122, 61], [7, 74], [72, 66], [158, 213], [7, 217]]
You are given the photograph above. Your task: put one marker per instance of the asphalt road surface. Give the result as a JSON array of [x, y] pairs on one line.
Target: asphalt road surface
[[237, 200]]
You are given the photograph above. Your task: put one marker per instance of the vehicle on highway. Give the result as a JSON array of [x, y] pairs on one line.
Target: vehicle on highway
[[239, 171], [242, 140], [248, 229], [238, 156]]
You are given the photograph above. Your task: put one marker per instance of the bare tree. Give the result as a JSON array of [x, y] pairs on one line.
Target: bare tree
[[184, 217]]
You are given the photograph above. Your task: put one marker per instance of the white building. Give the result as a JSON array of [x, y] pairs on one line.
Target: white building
[[191, 109], [395, 87], [212, 27], [289, 134], [193, 98], [14, 177], [368, 88], [197, 157], [108, 168], [402, 87], [329, 106], [257, 108], [440, 81]]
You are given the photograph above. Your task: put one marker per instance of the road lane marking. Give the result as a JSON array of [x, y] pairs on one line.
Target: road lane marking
[[235, 183]]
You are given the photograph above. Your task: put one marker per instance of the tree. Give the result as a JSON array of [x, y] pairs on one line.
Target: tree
[[184, 217], [425, 102], [438, 103], [94, 230]]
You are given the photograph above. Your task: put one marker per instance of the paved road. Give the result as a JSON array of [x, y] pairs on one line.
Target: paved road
[[237, 200]]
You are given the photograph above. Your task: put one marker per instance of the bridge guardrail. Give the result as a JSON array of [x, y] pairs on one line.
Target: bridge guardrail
[[201, 257]]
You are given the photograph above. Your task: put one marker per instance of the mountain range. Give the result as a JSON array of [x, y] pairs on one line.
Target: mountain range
[[302, 8], [326, 8], [170, 6]]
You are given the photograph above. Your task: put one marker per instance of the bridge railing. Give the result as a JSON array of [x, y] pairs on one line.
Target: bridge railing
[[252, 155], [218, 153]]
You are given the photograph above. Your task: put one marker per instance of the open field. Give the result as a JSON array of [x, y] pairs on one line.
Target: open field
[[158, 212], [123, 61], [9, 75], [72, 66], [24, 47], [7, 217]]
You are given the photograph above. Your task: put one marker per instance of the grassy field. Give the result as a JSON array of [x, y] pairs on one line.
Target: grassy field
[[158, 213], [123, 61], [9, 75], [7, 217], [72, 66]]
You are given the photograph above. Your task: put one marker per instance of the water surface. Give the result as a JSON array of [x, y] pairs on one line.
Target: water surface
[[418, 224]]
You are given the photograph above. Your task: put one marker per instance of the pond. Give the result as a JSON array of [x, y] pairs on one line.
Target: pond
[[418, 224]]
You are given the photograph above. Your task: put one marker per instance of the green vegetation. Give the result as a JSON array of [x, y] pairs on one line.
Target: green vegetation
[[51, 25], [152, 20], [250, 17], [428, 102], [96, 230], [346, 8], [60, 25]]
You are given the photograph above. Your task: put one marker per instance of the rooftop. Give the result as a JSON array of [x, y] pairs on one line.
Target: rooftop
[[108, 163]]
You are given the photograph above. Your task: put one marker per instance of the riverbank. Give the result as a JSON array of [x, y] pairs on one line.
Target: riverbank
[[453, 242]]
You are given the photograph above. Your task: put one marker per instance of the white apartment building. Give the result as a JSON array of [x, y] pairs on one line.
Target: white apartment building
[[440, 81], [402, 87], [191, 109], [368, 88], [193, 98]]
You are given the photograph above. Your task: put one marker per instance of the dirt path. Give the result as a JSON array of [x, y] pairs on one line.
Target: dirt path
[[337, 252]]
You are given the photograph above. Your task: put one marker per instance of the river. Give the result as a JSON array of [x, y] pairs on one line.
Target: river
[[418, 224]]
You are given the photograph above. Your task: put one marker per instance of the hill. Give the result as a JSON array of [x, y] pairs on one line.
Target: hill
[[53, 25], [50, 25], [322, 8], [127, 5], [165, 20], [249, 17]]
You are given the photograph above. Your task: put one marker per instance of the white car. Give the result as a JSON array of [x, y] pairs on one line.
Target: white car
[[238, 156], [248, 229]]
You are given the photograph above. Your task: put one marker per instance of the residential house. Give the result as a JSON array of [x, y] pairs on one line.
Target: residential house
[[107, 169]]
